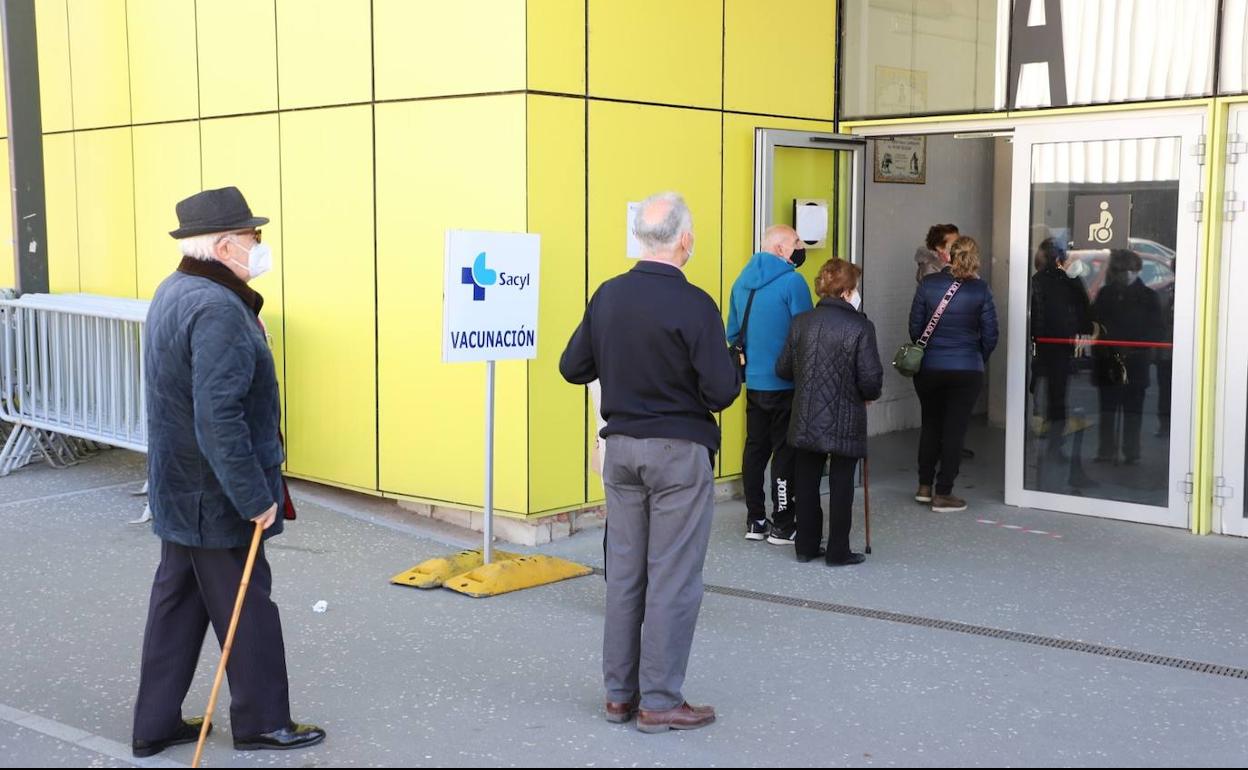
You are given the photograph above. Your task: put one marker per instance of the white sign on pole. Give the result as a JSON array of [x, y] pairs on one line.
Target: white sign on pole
[[490, 296], [634, 245]]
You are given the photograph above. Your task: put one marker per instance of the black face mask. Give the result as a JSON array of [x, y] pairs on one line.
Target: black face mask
[[798, 257]]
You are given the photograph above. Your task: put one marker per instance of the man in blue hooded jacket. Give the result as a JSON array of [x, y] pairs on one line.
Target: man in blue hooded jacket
[[765, 299]]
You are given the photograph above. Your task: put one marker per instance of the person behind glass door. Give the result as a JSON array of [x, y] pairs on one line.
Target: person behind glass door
[[1060, 312], [833, 360], [952, 374], [1128, 311]]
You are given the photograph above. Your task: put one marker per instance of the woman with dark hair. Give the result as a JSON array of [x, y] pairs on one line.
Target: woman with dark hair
[[832, 359], [1128, 311], [948, 384], [933, 256]]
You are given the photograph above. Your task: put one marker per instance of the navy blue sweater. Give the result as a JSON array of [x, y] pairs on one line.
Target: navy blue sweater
[[656, 343]]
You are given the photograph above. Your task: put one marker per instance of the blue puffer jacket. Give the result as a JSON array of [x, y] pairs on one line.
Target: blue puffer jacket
[[967, 332], [214, 450]]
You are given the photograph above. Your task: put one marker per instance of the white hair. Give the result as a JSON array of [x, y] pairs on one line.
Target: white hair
[[201, 247], [664, 234]]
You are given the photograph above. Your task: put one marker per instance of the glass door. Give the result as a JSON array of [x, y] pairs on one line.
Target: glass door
[[1231, 464], [1104, 247]]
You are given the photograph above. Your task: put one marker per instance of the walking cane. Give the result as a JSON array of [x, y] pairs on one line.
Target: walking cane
[[229, 641], [866, 499]]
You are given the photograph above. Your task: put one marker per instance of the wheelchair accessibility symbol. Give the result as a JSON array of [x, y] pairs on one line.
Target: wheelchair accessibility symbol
[[1103, 231]]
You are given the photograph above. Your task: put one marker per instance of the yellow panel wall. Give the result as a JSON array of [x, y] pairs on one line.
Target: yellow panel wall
[[556, 46], [780, 68], [739, 242], [166, 170], [164, 81], [237, 60], [556, 196], [327, 207], [61, 198], [657, 51], [98, 63], [4, 103], [433, 48], [56, 106], [106, 211], [635, 151], [445, 164], [244, 153], [8, 270], [324, 52]]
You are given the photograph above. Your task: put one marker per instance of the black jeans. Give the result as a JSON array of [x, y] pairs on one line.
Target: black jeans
[[947, 398], [840, 503], [767, 415]]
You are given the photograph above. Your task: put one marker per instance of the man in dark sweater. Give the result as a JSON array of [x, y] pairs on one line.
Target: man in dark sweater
[[657, 344]]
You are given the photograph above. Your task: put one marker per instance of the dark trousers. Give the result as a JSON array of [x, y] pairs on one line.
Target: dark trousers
[[195, 586], [1122, 417], [840, 503], [947, 399], [767, 415]]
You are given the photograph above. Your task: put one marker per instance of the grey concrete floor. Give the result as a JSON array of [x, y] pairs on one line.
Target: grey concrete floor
[[407, 678]]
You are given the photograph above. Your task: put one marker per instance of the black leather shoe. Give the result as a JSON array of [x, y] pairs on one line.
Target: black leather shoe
[[851, 559], [187, 733], [293, 736], [804, 558]]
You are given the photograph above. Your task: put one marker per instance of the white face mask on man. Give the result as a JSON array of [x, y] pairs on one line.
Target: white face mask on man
[[259, 259]]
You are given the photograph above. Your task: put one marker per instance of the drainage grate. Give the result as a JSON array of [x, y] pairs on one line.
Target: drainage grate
[[985, 631]]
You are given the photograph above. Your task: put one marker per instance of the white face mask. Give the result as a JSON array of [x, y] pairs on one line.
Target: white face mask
[[855, 299], [1075, 268], [259, 260]]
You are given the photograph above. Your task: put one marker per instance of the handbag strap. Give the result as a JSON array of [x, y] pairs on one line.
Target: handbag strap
[[940, 310], [745, 319]]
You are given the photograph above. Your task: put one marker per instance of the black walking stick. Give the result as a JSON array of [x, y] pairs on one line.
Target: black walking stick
[[866, 499]]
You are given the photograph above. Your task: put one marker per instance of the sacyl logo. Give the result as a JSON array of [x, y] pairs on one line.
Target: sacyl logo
[[479, 276]]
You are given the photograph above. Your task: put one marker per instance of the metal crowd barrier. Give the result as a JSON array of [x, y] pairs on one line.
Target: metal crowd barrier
[[71, 377]]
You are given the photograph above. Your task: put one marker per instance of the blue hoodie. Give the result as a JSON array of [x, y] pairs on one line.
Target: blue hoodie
[[780, 295]]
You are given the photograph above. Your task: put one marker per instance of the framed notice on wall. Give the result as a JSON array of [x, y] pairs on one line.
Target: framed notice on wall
[[901, 159]]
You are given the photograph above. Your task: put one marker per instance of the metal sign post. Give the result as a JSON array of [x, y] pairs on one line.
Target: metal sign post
[[489, 461]]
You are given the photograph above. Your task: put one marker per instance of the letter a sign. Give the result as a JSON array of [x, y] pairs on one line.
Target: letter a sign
[[489, 300]]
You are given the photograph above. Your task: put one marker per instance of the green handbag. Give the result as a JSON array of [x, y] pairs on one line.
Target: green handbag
[[909, 358]]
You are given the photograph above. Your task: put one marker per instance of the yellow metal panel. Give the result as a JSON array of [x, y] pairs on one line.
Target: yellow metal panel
[[556, 210], [237, 56], [739, 241], [445, 164], [52, 32], [166, 170], [7, 268], [657, 51], [4, 103], [557, 46], [243, 153], [106, 211], [327, 204], [780, 57], [325, 52], [433, 48], [635, 151], [99, 63], [61, 198], [164, 81]]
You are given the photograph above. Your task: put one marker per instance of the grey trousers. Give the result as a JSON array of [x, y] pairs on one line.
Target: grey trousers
[[660, 502]]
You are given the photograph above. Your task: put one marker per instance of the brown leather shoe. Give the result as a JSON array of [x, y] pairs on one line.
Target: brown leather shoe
[[948, 504], [619, 713], [924, 495], [684, 717]]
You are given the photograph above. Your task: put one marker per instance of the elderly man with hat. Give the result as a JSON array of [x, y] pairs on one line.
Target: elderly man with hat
[[214, 471]]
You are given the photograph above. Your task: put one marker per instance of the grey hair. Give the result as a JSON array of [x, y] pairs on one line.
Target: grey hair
[[201, 247], [664, 234]]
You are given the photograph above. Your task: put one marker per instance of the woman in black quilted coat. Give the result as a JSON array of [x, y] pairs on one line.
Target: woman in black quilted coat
[[832, 359]]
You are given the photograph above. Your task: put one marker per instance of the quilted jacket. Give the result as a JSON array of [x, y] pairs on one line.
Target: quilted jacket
[[833, 360]]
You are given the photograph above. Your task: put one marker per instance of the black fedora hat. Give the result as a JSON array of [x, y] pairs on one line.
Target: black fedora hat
[[215, 211]]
